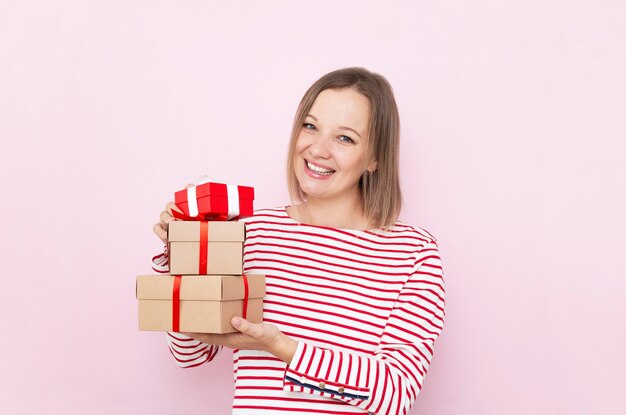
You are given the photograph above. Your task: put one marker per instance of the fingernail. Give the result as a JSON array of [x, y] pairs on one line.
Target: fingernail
[[236, 321]]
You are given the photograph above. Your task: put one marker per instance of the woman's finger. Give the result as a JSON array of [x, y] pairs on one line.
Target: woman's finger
[[166, 217], [172, 206], [160, 232]]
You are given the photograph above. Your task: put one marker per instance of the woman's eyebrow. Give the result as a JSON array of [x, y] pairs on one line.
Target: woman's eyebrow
[[340, 127], [350, 129]]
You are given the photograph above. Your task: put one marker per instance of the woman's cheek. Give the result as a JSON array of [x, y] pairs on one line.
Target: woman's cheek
[[302, 142]]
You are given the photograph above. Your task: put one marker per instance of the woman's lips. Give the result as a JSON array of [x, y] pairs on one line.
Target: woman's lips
[[315, 174]]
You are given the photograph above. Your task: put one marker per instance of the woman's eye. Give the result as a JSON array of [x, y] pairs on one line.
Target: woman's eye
[[308, 126], [345, 139]]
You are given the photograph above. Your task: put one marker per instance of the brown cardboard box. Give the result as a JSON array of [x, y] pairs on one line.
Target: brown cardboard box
[[207, 302], [225, 248]]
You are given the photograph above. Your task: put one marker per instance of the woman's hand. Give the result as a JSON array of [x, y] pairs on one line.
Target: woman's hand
[[160, 229], [253, 336]]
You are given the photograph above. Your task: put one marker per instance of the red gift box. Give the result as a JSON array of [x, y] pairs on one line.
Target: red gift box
[[214, 201]]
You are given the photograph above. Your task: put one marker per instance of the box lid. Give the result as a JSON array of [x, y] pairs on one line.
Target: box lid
[[215, 189], [218, 231], [199, 287]]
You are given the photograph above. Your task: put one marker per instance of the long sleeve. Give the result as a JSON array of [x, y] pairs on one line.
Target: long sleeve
[[187, 352], [190, 352], [389, 380]]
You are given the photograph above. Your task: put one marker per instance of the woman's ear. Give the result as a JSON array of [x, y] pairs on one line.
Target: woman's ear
[[372, 166]]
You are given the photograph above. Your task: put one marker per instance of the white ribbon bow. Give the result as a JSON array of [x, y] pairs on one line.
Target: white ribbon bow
[[232, 195]]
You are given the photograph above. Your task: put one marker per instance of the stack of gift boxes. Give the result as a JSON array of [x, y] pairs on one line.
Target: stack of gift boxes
[[206, 286]]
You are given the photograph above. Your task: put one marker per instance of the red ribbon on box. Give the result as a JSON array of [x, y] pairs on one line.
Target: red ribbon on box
[[203, 263], [176, 301], [245, 296]]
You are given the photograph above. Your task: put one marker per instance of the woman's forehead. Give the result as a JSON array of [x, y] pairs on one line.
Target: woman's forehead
[[342, 107]]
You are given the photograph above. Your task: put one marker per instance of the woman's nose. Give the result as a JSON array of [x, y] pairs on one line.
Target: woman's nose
[[321, 147]]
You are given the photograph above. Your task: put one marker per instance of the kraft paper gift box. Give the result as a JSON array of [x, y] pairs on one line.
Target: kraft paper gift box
[[198, 303], [206, 248], [214, 201]]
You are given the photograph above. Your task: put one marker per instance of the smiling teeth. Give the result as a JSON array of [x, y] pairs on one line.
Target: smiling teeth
[[319, 170]]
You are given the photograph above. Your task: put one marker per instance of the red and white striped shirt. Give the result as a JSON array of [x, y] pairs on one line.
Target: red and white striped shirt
[[365, 307]]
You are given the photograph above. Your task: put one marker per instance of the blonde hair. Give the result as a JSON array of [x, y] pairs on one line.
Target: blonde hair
[[381, 197]]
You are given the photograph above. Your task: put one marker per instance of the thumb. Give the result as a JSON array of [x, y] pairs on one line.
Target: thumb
[[245, 327]]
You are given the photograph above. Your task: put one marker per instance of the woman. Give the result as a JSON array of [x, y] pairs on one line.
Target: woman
[[355, 299]]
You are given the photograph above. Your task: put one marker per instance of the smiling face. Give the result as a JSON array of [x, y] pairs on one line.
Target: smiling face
[[331, 149]]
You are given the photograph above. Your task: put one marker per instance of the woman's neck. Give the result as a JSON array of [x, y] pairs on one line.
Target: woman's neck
[[343, 213]]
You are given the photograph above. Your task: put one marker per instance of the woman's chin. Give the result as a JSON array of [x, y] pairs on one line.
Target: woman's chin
[[313, 193]]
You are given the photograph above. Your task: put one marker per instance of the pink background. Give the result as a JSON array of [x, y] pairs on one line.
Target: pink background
[[513, 117]]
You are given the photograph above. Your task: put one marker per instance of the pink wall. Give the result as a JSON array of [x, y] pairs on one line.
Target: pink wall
[[513, 156]]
